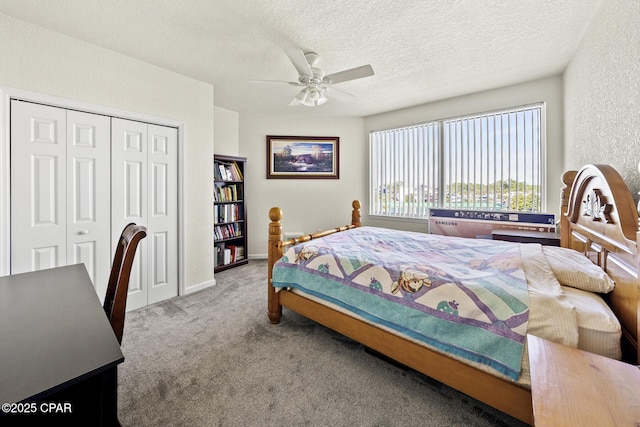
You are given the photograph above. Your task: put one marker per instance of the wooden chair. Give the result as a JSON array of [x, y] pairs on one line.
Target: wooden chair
[[115, 301]]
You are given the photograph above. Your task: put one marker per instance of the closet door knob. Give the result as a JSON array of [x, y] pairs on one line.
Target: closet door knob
[[83, 232]]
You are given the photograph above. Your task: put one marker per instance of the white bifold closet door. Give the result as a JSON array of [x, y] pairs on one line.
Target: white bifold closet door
[[77, 179], [60, 190], [144, 191]]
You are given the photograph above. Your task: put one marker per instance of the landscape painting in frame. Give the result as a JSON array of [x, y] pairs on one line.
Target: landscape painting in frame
[[303, 157]]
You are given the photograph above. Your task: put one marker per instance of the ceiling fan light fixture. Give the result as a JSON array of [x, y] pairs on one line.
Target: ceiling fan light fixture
[[322, 99], [312, 96], [302, 96]]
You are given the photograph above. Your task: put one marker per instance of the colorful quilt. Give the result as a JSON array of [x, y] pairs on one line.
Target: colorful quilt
[[467, 297]]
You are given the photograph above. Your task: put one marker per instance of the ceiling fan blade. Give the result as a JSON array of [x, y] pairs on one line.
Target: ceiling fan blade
[[276, 81], [334, 92], [352, 74], [296, 56], [295, 101]]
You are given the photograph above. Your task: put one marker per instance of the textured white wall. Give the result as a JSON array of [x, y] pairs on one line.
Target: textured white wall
[[38, 60], [309, 205], [226, 132], [602, 93]]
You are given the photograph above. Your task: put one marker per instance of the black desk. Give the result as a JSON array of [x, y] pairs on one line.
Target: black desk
[[56, 346]]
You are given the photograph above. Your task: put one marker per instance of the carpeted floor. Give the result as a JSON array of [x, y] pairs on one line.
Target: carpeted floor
[[213, 359]]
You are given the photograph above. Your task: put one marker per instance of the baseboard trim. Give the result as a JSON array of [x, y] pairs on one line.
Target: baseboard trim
[[199, 286]]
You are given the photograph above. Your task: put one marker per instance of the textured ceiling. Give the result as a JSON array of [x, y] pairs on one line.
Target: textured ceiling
[[421, 51]]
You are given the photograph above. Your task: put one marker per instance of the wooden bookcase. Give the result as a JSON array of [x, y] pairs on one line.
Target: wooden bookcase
[[230, 213]]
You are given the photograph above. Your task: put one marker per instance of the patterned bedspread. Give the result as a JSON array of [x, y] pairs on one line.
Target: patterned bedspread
[[467, 297]]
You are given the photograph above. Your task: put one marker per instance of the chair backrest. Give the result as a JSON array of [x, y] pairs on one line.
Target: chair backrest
[[115, 301]]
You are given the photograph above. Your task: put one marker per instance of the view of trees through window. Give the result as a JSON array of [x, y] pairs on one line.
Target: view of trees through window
[[489, 161]]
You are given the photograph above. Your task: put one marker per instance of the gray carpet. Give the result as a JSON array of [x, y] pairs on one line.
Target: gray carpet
[[213, 359]]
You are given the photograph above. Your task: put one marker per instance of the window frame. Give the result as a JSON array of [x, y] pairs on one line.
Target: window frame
[[541, 160]]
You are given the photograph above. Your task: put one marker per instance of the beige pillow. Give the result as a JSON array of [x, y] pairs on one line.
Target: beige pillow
[[572, 268]]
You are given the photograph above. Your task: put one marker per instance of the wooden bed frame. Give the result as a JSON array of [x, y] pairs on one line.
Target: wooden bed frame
[[598, 218]]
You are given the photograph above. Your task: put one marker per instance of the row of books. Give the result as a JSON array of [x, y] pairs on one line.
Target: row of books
[[228, 193], [227, 231], [228, 172], [227, 213], [228, 254]]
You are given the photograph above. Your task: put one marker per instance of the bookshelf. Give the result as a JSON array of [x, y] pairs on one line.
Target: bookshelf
[[230, 213]]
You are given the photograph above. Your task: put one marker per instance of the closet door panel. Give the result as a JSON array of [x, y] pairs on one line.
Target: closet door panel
[[129, 197], [77, 179], [38, 187], [89, 188], [163, 213]]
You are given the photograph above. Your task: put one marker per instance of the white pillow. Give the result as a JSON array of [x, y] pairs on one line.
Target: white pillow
[[599, 330], [572, 268]]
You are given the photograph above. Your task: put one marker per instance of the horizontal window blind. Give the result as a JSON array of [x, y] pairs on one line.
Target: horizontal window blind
[[491, 161]]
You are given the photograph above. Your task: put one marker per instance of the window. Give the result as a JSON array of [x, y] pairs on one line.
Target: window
[[490, 161]]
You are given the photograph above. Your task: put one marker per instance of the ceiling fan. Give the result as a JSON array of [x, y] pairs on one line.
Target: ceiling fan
[[313, 81]]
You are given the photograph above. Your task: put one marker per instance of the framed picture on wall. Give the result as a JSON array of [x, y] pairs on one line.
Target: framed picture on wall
[[303, 157]]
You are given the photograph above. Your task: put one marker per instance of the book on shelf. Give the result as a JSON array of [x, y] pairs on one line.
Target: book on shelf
[[228, 193], [228, 254], [227, 231], [218, 256], [236, 173], [239, 253], [228, 171], [221, 173], [221, 255], [232, 249], [227, 213]]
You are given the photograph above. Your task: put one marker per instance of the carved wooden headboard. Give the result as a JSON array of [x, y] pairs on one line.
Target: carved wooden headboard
[[599, 218]]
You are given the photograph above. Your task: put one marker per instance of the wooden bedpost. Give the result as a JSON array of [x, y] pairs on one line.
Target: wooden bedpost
[[276, 246], [355, 214], [565, 233], [275, 253]]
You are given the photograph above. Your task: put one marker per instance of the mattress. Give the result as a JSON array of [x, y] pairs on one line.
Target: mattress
[[599, 330]]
